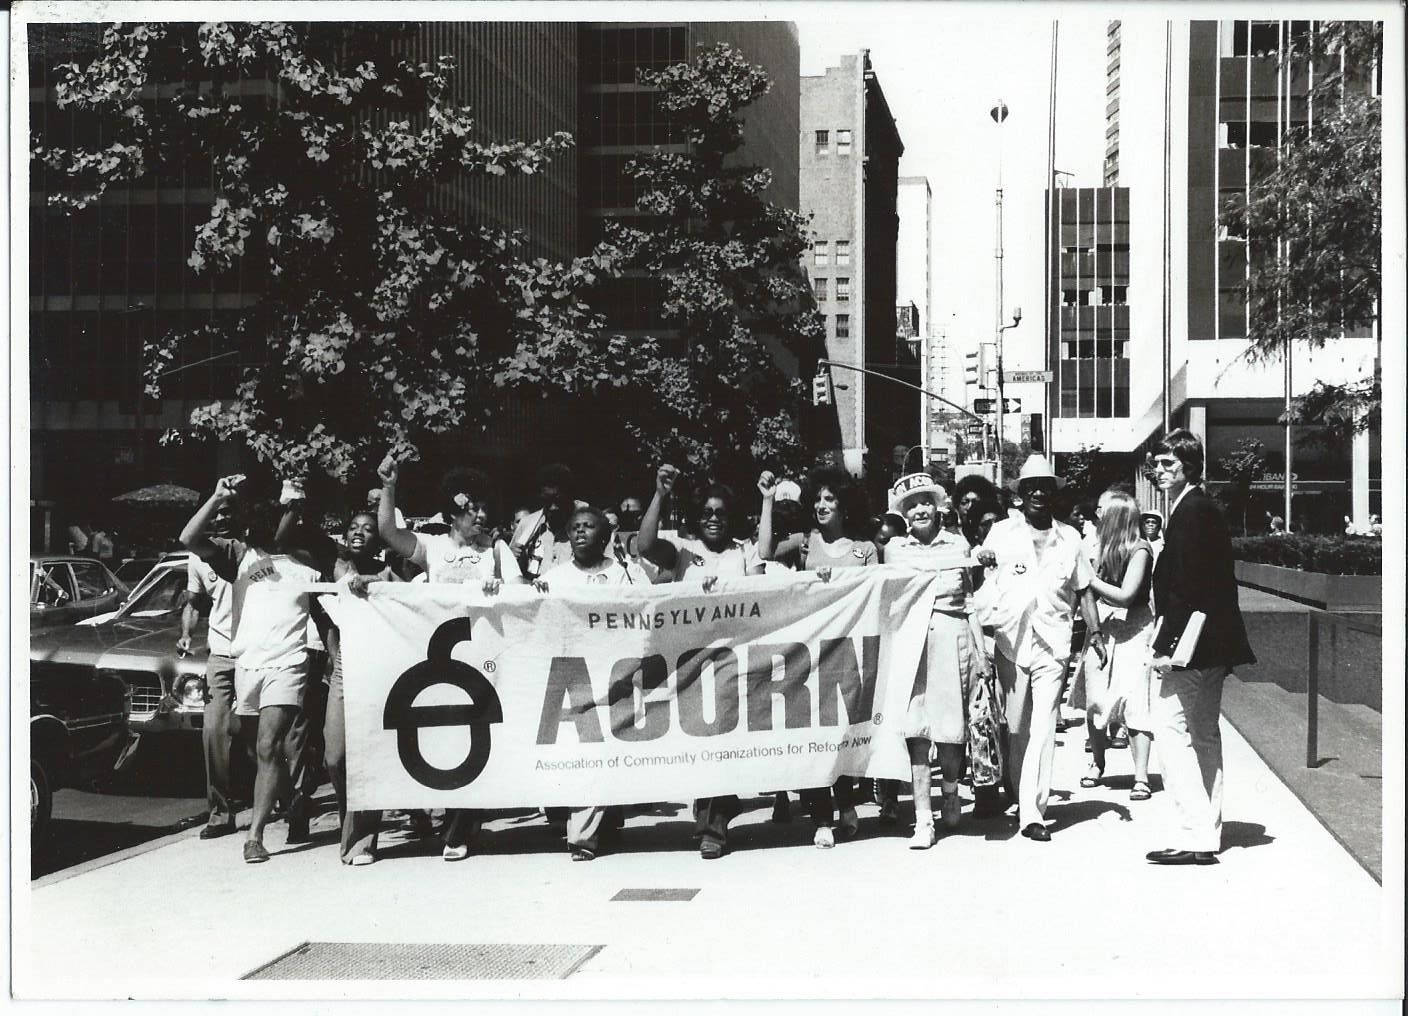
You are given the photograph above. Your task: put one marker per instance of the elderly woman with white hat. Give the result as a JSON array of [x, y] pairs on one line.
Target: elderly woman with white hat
[[952, 656], [1041, 575]]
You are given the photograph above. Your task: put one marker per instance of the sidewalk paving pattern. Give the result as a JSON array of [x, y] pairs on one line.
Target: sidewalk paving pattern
[[985, 913]]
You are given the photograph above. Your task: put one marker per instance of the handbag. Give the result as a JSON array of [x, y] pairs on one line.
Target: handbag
[[985, 759]]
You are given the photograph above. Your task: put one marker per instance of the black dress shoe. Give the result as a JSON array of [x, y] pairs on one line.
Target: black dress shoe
[[212, 832], [1181, 857], [1036, 831]]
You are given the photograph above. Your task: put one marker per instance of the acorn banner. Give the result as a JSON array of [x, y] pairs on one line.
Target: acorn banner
[[627, 694]]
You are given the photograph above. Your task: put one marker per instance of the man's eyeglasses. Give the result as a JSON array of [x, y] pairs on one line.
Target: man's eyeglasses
[[1168, 465]]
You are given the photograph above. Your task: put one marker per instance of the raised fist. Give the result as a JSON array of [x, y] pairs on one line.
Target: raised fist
[[767, 483], [229, 486], [665, 478], [388, 470]]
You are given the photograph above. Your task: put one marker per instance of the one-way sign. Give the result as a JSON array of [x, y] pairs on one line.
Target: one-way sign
[[1022, 377], [984, 406]]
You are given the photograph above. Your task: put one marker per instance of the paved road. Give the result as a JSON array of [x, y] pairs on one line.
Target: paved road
[[986, 913], [161, 792]]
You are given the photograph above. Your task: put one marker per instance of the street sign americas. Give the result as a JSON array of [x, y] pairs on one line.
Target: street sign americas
[[1021, 377]]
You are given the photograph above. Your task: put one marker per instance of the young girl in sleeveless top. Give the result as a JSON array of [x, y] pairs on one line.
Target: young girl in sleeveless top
[[1124, 567]]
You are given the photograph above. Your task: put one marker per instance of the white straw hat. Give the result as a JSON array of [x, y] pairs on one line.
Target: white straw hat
[[911, 486], [1037, 467]]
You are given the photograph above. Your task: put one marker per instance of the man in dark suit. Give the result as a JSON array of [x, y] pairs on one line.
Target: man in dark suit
[[1194, 574]]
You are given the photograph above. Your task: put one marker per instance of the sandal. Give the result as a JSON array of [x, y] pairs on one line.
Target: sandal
[[1141, 791], [1092, 776]]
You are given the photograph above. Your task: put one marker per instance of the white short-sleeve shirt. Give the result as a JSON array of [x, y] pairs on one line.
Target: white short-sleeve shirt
[[201, 578], [1039, 576]]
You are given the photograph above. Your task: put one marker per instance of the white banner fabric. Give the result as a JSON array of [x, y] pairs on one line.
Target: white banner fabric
[[628, 694]]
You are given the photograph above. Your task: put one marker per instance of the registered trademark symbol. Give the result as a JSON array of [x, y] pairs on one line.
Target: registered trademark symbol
[[490, 666], [877, 719]]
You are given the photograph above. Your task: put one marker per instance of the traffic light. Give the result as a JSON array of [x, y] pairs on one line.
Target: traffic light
[[975, 366], [821, 389]]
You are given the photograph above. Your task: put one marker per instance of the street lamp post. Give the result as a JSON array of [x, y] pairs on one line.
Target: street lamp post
[[999, 114]]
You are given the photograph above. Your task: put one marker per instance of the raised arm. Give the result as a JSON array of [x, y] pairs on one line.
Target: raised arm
[[194, 537], [402, 541], [1127, 592], [648, 542], [768, 548]]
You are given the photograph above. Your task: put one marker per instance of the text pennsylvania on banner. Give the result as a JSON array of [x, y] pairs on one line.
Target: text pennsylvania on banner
[[634, 694]]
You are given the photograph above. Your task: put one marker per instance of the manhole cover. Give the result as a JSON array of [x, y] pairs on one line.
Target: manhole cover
[[644, 895], [434, 961]]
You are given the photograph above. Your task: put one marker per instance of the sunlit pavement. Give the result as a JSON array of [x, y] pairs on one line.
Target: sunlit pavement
[[985, 913]]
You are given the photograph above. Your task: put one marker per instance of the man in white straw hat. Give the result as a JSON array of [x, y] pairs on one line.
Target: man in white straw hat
[[1040, 575]]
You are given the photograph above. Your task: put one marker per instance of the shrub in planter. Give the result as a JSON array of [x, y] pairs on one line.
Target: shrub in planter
[[1334, 555]]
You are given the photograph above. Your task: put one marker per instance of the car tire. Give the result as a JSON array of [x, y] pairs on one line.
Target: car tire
[[41, 799]]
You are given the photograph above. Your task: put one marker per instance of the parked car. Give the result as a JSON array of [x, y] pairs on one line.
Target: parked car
[[134, 569], [64, 589], [78, 732], [137, 645], [154, 572]]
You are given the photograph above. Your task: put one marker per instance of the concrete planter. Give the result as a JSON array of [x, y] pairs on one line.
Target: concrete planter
[[1318, 589]]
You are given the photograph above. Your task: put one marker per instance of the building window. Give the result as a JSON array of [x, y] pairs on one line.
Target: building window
[[843, 290], [823, 142], [843, 253], [1232, 135], [843, 142], [1265, 38], [819, 288], [843, 326], [1114, 295], [1261, 134], [821, 253]]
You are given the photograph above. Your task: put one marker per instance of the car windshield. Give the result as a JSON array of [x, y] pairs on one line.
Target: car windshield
[[163, 593]]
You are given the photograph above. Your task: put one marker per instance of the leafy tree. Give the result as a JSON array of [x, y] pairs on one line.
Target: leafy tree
[[1243, 466], [382, 316], [1313, 219], [1081, 470], [729, 263]]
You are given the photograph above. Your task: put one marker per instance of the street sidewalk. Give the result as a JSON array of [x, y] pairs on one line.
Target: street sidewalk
[[984, 914]]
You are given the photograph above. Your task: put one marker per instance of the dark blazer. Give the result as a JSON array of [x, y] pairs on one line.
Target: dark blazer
[[1194, 572]]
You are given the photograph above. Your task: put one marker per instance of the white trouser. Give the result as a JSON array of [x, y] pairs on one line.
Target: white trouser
[[1033, 707], [1185, 709]]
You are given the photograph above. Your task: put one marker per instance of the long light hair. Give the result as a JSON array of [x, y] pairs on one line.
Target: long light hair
[[1118, 534]]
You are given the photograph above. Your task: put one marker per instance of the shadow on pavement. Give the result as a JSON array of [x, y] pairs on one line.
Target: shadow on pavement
[[1244, 834], [73, 841], [1084, 811]]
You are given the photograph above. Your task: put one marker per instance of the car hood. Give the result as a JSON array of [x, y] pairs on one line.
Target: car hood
[[132, 642]]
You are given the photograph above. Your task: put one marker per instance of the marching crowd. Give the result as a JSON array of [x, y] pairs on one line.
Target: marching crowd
[[1141, 612]]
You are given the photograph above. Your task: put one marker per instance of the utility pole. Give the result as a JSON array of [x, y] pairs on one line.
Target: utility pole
[[999, 114]]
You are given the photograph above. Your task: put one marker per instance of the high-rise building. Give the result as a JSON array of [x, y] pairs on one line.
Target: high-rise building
[[1089, 293], [850, 150], [621, 118], [914, 284], [1227, 105]]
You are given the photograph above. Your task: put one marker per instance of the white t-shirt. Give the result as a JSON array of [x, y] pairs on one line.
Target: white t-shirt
[[694, 560], [443, 560], [612, 573], [201, 579], [270, 620]]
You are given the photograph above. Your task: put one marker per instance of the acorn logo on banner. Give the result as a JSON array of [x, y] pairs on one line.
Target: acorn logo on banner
[[407, 719]]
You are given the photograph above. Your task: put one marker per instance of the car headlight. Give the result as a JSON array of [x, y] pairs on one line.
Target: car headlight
[[191, 693]]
